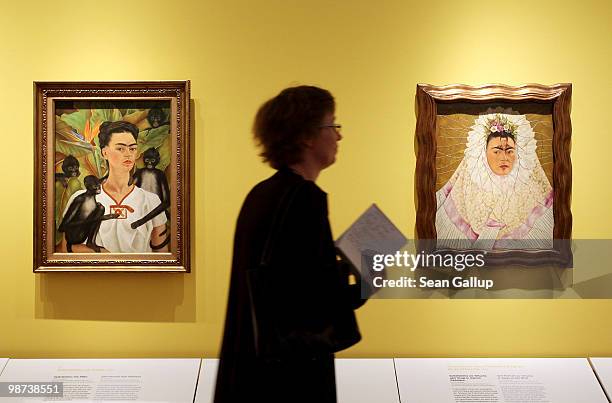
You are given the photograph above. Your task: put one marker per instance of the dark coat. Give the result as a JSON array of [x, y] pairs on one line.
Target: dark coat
[[312, 291]]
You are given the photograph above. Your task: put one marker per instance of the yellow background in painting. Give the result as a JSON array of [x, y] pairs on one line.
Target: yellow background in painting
[[238, 53]]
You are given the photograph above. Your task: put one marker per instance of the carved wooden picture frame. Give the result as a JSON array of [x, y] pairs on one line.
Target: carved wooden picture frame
[[112, 172], [459, 118]]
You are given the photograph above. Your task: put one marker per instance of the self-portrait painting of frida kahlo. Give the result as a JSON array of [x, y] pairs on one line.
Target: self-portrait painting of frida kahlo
[[111, 188], [499, 195]]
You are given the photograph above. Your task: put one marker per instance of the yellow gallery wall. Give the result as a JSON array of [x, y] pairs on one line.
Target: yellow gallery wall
[[238, 53]]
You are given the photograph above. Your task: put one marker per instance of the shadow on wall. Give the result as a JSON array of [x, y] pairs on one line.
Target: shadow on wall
[[146, 297]]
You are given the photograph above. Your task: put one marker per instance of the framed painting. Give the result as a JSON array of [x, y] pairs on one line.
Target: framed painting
[[493, 171], [111, 184]]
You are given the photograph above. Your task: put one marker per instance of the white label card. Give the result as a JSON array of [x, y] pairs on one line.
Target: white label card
[[497, 380], [3, 362], [603, 369], [168, 380], [366, 380], [207, 381]]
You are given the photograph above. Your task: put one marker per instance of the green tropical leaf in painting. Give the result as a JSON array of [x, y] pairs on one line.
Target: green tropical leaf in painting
[[152, 138], [95, 163], [96, 141], [105, 115], [77, 120], [69, 142], [74, 149], [165, 154], [137, 117], [100, 162], [86, 122]]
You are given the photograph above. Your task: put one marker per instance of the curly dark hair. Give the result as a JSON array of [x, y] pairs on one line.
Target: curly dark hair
[[285, 121], [108, 128]]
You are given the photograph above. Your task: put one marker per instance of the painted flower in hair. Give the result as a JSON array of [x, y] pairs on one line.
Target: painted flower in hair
[[499, 124]]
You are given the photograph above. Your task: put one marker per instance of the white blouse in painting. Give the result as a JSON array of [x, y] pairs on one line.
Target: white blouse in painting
[[116, 235]]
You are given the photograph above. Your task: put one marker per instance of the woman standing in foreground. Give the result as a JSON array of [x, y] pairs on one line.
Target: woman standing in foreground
[[298, 137]]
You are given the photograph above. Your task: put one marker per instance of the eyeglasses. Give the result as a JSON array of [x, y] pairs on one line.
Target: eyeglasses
[[335, 126]]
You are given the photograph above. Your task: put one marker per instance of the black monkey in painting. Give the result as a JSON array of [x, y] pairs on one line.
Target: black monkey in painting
[[152, 180], [84, 216], [70, 169], [156, 118]]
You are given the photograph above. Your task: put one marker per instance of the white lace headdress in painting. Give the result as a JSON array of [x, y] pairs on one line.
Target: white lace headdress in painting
[[475, 198]]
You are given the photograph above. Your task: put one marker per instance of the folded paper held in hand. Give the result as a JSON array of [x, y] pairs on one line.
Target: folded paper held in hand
[[371, 234]]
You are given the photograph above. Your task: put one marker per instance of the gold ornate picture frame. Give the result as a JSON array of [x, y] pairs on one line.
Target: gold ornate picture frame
[[112, 172], [518, 210]]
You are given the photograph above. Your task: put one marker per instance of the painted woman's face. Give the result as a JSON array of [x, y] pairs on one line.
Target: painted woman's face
[[501, 155], [120, 152]]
